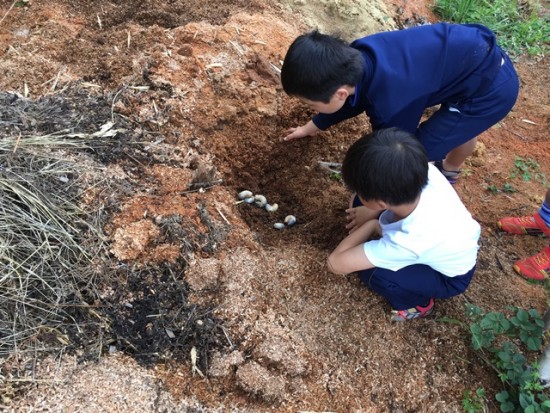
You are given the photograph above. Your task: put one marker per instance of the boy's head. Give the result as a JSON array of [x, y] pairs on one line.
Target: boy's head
[[317, 65], [389, 165]]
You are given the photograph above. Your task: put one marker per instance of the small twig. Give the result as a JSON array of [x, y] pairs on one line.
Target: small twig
[[114, 101], [194, 367], [226, 336], [518, 135], [11, 7], [213, 65], [223, 216], [48, 81], [330, 164], [500, 266], [32, 380], [275, 68], [333, 167], [237, 47], [56, 80], [17, 143]]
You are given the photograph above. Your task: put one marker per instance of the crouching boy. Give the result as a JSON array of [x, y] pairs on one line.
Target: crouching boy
[[424, 244]]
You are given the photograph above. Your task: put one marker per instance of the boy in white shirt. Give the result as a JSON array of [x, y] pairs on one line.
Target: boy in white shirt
[[427, 241]]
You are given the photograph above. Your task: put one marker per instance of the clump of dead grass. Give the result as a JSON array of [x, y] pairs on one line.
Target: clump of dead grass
[[48, 240], [51, 242]]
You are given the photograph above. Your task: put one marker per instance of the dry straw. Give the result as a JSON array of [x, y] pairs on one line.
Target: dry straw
[[49, 242]]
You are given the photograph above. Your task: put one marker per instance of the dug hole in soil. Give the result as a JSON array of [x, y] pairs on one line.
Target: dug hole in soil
[[268, 328]]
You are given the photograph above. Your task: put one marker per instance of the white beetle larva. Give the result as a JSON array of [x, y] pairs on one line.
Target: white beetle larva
[[260, 200], [290, 220], [271, 208], [245, 194]]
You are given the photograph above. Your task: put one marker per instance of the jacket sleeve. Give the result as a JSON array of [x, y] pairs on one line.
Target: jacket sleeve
[[324, 121]]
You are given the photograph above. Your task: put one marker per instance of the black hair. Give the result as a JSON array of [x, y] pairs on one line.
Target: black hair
[[316, 65], [389, 165]]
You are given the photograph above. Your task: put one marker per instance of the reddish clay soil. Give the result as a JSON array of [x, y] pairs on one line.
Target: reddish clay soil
[[203, 77]]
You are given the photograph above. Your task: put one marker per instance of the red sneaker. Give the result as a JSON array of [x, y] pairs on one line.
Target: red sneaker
[[531, 225], [536, 267], [412, 313]]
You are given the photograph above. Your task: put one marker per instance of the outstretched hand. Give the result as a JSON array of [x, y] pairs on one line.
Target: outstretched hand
[[309, 129], [295, 133]]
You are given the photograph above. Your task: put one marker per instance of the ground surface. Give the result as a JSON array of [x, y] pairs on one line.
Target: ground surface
[[201, 78]]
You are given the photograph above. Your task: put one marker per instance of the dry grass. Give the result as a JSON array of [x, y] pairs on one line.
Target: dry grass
[[51, 244], [48, 242]]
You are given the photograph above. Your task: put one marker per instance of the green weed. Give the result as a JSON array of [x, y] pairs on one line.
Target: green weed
[[528, 169], [336, 176], [474, 402], [506, 188], [501, 342], [519, 26]]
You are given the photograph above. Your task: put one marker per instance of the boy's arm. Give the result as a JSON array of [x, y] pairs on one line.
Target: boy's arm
[[349, 255], [309, 129]]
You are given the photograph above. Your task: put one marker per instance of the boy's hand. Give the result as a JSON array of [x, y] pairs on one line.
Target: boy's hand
[[295, 133], [309, 129], [358, 216]]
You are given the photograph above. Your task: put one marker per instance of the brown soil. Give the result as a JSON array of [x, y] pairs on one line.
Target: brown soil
[[298, 337]]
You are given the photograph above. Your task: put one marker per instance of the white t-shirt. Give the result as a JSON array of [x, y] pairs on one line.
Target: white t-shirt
[[440, 233]]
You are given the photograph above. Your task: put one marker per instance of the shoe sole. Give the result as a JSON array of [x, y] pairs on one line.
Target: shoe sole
[[526, 231], [400, 320], [518, 270]]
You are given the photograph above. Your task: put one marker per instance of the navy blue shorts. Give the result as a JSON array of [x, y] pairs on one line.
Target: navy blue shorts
[[457, 123], [414, 285]]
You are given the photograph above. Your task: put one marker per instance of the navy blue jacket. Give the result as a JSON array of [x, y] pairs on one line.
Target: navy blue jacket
[[407, 71]]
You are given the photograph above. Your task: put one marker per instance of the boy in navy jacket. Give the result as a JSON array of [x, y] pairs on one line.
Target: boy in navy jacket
[[394, 76]]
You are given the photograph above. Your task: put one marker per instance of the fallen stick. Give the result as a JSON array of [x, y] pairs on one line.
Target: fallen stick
[[11, 7]]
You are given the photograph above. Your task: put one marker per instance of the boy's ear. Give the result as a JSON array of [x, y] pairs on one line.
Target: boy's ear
[[342, 93]]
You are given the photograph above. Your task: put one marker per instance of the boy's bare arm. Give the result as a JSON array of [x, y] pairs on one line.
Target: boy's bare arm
[[349, 255], [309, 129]]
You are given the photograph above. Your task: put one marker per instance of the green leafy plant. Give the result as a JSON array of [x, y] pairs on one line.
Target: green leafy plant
[[501, 341], [528, 169], [336, 176], [507, 188], [517, 24], [474, 402]]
